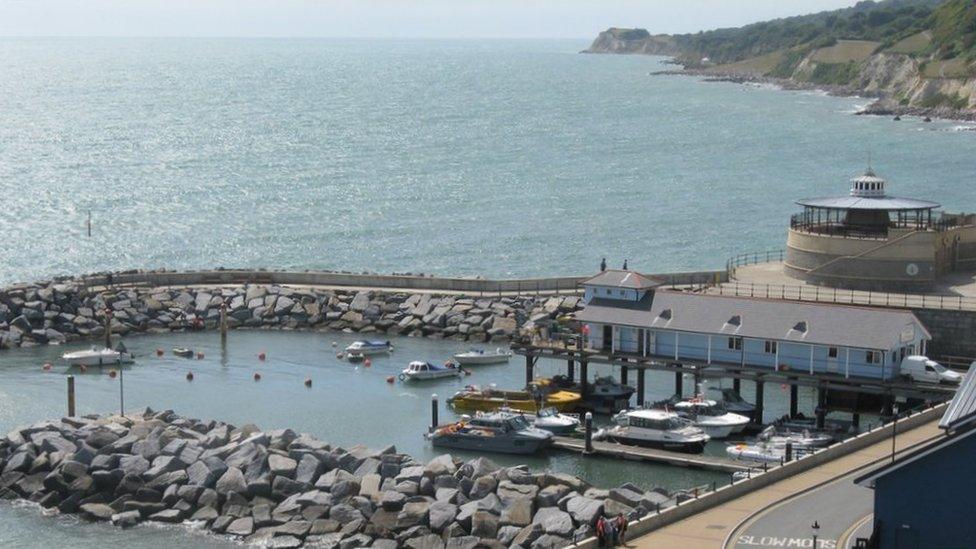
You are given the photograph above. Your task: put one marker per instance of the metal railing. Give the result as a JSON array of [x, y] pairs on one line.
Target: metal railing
[[850, 297], [753, 258]]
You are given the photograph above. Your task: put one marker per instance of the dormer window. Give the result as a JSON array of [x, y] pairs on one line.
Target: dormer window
[[801, 326], [665, 314], [736, 320]]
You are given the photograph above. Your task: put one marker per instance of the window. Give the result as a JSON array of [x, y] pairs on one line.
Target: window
[[873, 357], [621, 292], [770, 347], [831, 352], [735, 343]]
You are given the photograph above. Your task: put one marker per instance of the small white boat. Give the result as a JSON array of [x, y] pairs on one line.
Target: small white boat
[[367, 348], [183, 352], [476, 357], [711, 416], [799, 439], [547, 419], [97, 356], [423, 371], [760, 453]]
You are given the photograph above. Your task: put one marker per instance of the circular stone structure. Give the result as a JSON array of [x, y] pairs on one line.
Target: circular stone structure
[[871, 240]]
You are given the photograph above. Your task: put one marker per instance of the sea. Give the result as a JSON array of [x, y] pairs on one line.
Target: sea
[[489, 158]]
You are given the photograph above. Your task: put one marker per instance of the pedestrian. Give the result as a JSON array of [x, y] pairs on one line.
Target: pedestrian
[[610, 532], [621, 523], [603, 265], [625, 264], [601, 531]]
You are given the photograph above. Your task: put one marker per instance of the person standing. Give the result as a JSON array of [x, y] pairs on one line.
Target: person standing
[[603, 265], [625, 264], [620, 521]]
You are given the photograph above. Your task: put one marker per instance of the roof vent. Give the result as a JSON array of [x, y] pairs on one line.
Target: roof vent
[[801, 326], [665, 314], [736, 320]]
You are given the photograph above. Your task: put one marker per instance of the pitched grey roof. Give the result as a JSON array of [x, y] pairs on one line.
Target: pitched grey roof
[[623, 279], [831, 325], [962, 408], [889, 203]]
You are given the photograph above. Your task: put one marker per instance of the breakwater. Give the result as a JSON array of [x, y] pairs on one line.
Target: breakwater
[[284, 489]]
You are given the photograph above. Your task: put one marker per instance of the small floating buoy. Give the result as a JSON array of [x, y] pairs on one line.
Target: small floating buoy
[[112, 374], [367, 363], [339, 355], [200, 355], [262, 355], [897, 118], [390, 379], [189, 376], [308, 382], [257, 376], [335, 343], [159, 352], [83, 368], [47, 366], [466, 372]]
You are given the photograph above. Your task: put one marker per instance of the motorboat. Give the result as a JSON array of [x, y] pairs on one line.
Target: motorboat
[[834, 427], [604, 395], [799, 439], [759, 452], [183, 352], [494, 432], [734, 402], [711, 416], [355, 357], [423, 371], [367, 348], [659, 429], [488, 399], [548, 419], [476, 357], [98, 356]]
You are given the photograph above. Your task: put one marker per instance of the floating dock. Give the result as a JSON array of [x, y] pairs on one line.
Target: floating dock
[[637, 453]]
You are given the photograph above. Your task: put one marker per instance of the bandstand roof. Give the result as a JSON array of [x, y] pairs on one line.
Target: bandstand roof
[[888, 203]]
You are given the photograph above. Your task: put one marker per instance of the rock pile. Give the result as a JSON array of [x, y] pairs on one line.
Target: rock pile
[[45, 313], [284, 489]]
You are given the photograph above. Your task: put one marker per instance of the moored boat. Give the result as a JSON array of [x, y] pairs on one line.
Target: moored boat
[[475, 399], [711, 416], [502, 433], [734, 402], [183, 352], [656, 429], [98, 356], [548, 419], [475, 357], [759, 453], [367, 348], [422, 371], [604, 395]]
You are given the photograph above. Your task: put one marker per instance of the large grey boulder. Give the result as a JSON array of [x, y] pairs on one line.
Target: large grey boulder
[[231, 481], [441, 515], [281, 465], [554, 521], [584, 510]]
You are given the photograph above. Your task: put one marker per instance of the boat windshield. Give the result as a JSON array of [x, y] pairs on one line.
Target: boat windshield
[[547, 412], [518, 422]]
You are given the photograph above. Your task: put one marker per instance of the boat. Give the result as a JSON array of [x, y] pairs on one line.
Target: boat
[[711, 416], [734, 402], [837, 428], [474, 399], [367, 348], [799, 439], [183, 352], [548, 419], [502, 433], [759, 452], [604, 395], [475, 357], [98, 356], [422, 371], [355, 356], [659, 429]]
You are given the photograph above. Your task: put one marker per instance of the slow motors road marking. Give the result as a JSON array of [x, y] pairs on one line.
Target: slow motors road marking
[[775, 541]]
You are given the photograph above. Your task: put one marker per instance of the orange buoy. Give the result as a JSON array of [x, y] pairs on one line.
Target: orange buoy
[[200, 355], [367, 363], [82, 368], [189, 376], [262, 355], [390, 379], [112, 374], [308, 382], [47, 366], [257, 376], [159, 351]]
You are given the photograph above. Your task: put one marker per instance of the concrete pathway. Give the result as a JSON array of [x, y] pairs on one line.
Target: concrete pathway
[[713, 528]]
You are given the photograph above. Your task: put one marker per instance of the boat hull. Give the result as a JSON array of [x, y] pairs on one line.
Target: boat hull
[[428, 376], [717, 431], [561, 401], [481, 360], [99, 360], [499, 445], [685, 447]]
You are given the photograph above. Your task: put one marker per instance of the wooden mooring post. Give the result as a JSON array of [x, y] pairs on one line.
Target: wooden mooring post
[[71, 396], [223, 323]]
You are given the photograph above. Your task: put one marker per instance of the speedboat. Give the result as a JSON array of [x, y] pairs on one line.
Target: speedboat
[[476, 357], [503, 433], [799, 439], [548, 419], [759, 452], [422, 371], [604, 395], [183, 352], [656, 429], [711, 416], [98, 356], [734, 402], [474, 399], [367, 348]]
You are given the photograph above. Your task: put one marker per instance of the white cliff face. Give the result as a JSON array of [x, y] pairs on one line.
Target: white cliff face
[[634, 41]]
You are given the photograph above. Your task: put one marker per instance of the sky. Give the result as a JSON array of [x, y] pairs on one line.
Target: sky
[[386, 18]]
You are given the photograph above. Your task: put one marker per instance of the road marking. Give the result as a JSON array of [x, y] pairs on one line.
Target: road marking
[[845, 537], [776, 541]]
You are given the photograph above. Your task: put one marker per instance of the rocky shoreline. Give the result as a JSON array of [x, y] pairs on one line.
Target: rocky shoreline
[[284, 489], [62, 311]]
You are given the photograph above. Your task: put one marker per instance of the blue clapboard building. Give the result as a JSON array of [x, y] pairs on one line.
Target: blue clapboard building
[[919, 499], [627, 313]]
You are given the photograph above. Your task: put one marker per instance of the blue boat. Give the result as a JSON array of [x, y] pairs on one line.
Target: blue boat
[[367, 348]]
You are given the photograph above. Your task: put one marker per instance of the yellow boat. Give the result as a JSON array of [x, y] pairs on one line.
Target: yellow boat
[[473, 399]]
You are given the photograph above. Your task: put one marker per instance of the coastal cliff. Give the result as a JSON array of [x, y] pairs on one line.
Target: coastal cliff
[[915, 56]]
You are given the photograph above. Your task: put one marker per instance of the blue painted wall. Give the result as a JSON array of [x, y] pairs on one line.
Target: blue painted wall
[[931, 497]]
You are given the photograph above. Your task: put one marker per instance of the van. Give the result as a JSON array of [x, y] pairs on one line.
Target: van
[[922, 368]]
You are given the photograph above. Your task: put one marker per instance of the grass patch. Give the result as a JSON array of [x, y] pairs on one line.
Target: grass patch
[[761, 65], [957, 67], [915, 44], [837, 74], [954, 101], [846, 50]]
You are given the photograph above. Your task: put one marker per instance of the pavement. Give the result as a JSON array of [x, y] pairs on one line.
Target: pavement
[[717, 527]]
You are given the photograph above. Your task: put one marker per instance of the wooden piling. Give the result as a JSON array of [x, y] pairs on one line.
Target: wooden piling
[[108, 328], [571, 369], [433, 412], [529, 375], [679, 383], [760, 398], [794, 400], [584, 379], [223, 323], [623, 375], [71, 396], [588, 423], [640, 387]]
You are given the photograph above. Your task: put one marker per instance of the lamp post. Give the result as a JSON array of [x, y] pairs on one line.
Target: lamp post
[[815, 529]]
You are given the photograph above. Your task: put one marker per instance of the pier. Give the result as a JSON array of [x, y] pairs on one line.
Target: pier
[[637, 453]]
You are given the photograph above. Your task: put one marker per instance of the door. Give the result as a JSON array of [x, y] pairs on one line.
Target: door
[[607, 337]]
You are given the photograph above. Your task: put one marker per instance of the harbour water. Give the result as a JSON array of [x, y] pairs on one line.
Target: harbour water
[[490, 158], [347, 404]]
